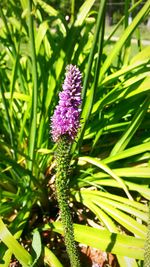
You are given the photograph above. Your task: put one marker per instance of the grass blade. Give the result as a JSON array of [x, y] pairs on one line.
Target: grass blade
[[104, 167], [132, 128], [101, 215], [128, 153], [20, 253], [88, 100], [35, 89], [102, 239], [129, 30], [83, 11], [11, 133], [50, 258]]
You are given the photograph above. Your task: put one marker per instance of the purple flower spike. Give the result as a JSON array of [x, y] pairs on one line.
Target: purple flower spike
[[66, 117]]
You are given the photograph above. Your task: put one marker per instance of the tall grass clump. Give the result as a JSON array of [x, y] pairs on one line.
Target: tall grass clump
[[107, 172]]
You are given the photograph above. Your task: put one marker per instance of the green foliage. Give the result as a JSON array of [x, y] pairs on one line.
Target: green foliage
[[104, 239], [111, 174]]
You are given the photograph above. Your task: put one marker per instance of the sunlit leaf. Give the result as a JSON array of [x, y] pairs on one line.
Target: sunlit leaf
[[102, 239], [7, 238]]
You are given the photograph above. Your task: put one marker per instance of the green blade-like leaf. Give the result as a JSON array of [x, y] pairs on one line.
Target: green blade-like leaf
[[109, 207], [102, 239], [51, 259], [83, 11], [88, 97], [8, 118], [124, 38], [143, 190], [105, 195], [36, 245], [33, 122], [142, 56], [123, 207], [20, 253], [126, 221], [131, 172], [131, 129], [127, 262], [6, 258], [128, 153], [48, 8], [101, 215], [142, 88], [104, 167], [17, 95], [40, 35]]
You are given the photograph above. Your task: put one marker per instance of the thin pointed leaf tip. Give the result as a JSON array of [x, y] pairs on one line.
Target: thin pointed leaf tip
[[66, 117]]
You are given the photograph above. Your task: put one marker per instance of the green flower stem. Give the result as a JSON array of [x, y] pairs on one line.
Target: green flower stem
[[62, 158], [147, 245]]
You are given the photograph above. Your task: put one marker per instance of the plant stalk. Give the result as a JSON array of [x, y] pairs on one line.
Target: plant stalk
[[63, 159], [147, 244]]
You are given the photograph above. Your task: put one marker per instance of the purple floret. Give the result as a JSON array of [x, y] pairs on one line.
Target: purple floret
[[66, 117]]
